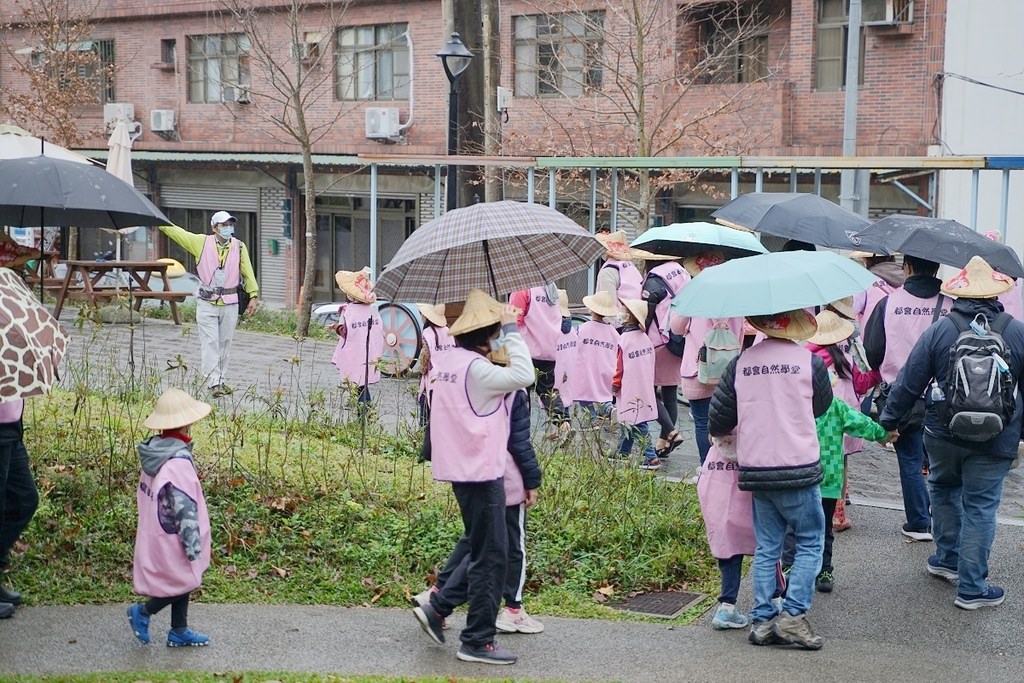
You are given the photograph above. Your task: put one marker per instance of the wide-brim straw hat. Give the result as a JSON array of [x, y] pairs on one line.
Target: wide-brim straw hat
[[615, 245], [977, 280], [175, 408], [796, 325], [695, 264], [356, 286], [637, 308], [434, 313], [832, 329], [644, 255], [602, 303], [844, 307], [864, 254], [480, 310], [563, 303]]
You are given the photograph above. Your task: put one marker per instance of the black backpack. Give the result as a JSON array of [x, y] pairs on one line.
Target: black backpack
[[979, 383]]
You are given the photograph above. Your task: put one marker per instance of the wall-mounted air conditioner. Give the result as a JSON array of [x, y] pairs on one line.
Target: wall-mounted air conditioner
[[382, 123], [887, 12], [116, 111], [162, 120]]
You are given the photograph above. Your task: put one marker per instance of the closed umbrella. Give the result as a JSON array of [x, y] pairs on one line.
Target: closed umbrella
[[798, 216], [119, 163], [771, 283], [691, 239], [34, 342], [940, 240], [499, 247]]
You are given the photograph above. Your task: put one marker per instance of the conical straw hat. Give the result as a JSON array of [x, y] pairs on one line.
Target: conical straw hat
[[175, 408], [479, 311], [637, 307], [615, 245], [797, 325], [356, 285], [977, 280], [434, 313], [602, 303], [832, 329], [844, 307]]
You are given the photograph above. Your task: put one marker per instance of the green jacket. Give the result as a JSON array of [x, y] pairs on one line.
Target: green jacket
[[838, 420], [193, 242]]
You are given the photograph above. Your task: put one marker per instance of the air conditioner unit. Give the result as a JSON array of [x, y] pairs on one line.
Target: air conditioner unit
[[235, 93], [162, 120], [116, 111], [307, 52], [887, 12], [382, 123]]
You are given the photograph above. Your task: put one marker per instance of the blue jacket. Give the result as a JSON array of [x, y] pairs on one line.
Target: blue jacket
[[929, 360]]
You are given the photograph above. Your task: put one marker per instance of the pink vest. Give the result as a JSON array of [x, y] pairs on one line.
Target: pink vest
[[515, 490], [466, 446], [843, 389], [728, 512], [595, 362], [698, 330], [160, 569], [774, 404], [438, 341], [542, 325], [636, 402], [631, 283], [1012, 302], [351, 355], [674, 277], [906, 319], [565, 361], [878, 290], [11, 411], [209, 261]]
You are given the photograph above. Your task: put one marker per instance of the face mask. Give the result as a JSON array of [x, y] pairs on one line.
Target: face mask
[[227, 231], [620, 319], [497, 342]]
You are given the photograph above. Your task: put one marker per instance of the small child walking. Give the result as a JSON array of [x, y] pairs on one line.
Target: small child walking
[[566, 350], [598, 346], [360, 332], [436, 340], [172, 542], [633, 385]]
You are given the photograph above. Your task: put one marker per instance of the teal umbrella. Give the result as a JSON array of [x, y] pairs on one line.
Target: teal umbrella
[[771, 283], [691, 239]]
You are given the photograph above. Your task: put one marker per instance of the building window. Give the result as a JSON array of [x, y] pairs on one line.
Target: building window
[[91, 61], [218, 67], [830, 45], [168, 50], [558, 55], [733, 44], [373, 63]]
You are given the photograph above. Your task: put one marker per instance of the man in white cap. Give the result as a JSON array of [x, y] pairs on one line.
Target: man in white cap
[[225, 272]]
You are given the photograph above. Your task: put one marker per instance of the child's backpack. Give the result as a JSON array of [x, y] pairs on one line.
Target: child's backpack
[[720, 347], [979, 384]]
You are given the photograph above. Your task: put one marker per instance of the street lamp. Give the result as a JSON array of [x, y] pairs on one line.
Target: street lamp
[[455, 58]]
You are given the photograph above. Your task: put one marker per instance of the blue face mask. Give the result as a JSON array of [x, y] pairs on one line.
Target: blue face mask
[[227, 231], [497, 342]]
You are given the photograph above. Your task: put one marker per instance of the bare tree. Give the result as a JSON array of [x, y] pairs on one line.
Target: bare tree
[[55, 72], [628, 77], [289, 76]]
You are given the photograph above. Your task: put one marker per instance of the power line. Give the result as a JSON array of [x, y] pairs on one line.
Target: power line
[[948, 74]]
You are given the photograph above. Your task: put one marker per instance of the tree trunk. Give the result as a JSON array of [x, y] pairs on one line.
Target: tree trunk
[[309, 188]]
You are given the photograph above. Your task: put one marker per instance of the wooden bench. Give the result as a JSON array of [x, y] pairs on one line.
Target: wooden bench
[[173, 298]]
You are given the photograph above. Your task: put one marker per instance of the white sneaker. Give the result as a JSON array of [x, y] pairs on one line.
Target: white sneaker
[[512, 620]]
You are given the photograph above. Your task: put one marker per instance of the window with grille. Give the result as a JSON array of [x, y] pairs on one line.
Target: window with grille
[[558, 55], [87, 61], [733, 44], [373, 63], [218, 67], [830, 38]]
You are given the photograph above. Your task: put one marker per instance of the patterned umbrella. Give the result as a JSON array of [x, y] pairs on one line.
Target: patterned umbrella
[[34, 342], [500, 247]]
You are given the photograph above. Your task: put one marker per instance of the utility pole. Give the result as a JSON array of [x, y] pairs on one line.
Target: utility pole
[[468, 23], [492, 76], [854, 184]]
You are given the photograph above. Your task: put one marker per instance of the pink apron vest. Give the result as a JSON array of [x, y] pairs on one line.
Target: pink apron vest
[[631, 283], [774, 404], [351, 355], [674, 277], [565, 361], [160, 569], [906, 319], [466, 446], [636, 401], [515, 490], [209, 262], [875, 293], [1012, 302], [438, 341], [11, 411], [542, 325], [595, 362], [728, 512]]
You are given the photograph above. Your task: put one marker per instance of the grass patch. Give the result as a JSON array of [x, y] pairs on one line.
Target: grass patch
[[268, 320]]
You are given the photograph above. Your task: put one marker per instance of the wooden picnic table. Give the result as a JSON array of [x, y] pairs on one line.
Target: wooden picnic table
[[82, 282]]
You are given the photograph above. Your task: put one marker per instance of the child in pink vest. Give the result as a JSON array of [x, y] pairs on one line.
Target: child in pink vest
[[172, 542], [566, 349], [595, 361], [361, 334], [633, 385], [436, 340]]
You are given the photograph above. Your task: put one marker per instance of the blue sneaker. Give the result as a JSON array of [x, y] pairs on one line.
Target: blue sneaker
[[943, 572], [727, 617], [992, 596], [139, 623], [187, 638]]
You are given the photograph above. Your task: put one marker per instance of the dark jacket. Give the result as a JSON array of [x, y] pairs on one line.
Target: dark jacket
[[519, 444], [929, 360], [723, 416], [654, 292], [921, 286]]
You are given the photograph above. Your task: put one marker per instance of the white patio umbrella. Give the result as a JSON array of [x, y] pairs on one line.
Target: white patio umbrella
[[16, 143], [119, 163]]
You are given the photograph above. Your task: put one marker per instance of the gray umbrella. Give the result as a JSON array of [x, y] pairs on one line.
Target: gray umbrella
[[499, 247], [40, 191]]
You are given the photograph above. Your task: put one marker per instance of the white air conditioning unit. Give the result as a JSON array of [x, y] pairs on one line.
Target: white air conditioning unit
[[116, 111], [162, 120], [382, 123], [235, 93], [887, 12]]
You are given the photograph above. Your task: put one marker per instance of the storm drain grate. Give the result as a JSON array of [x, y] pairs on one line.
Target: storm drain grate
[[666, 604]]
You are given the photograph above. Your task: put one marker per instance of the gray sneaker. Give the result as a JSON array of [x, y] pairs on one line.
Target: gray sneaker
[[795, 630], [431, 622], [488, 653], [763, 632]]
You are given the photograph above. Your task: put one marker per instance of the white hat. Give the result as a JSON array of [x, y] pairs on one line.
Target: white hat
[[174, 409], [434, 313], [222, 217]]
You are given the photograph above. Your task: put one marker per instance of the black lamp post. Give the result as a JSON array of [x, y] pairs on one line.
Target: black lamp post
[[455, 58]]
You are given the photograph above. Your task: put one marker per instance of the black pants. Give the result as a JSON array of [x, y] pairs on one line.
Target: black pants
[[668, 409], [179, 609], [482, 505], [828, 506], [545, 386], [19, 496]]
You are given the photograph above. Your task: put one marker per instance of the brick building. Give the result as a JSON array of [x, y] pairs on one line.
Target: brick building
[[196, 85]]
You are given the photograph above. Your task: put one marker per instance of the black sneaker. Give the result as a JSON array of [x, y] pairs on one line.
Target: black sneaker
[[431, 622], [917, 534], [824, 582], [6, 610], [488, 653]]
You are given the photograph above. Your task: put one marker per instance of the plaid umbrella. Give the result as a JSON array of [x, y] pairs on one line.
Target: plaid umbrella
[[500, 247], [34, 342]]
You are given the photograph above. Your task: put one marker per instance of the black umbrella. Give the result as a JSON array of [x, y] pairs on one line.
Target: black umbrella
[[798, 216], [40, 191], [941, 240]]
